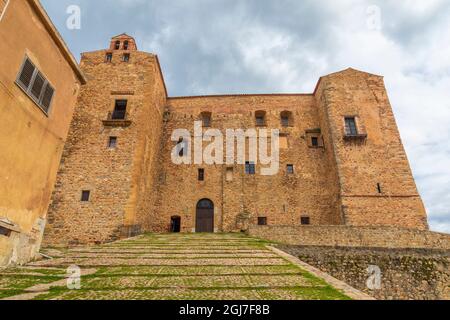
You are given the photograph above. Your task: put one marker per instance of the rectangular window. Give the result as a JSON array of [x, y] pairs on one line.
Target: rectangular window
[[260, 121], [262, 221], [380, 190], [290, 169], [250, 168], [109, 57], [350, 126], [315, 142], [305, 221], [201, 174], [120, 110], [112, 143], [35, 85], [85, 195], [206, 119], [126, 57], [260, 118]]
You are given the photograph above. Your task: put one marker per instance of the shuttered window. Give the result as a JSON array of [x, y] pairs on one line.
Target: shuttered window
[[47, 97], [38, 85], [34, 83], [26, 74]]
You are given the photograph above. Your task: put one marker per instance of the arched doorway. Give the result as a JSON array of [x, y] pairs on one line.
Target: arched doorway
[[175, 224], [205, 216]]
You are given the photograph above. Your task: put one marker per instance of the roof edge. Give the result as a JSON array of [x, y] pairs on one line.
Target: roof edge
[[57, 38], [243, 95]]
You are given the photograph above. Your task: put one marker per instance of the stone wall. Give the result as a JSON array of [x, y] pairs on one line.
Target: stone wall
[[383, 237], [375, 183], [406, 274], [121, 180], [281, 198]]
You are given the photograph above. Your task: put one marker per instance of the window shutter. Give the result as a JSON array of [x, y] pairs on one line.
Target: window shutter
[[26, 74], [47, 97], [38, 85]]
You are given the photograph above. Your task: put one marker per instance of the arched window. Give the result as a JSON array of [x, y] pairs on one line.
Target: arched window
[[125, 45], [205, 204], [117, 45], [286, 119], [260, 117]]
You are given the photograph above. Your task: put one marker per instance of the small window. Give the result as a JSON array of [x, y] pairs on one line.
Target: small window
[[379, 188], [315, 142], [230, 173], [126, 57], [117, 45], [5, 232], [85, 195], [262, 221], [290, 169], [250, 168], [120, 110], [206, 119], [112, 143], [109, 57], [305, 221], [260, 117], [125, 45], [286, 119], [201, 174], [350, 126]]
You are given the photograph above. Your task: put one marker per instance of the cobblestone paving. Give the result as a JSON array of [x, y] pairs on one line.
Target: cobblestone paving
[[171, 266]]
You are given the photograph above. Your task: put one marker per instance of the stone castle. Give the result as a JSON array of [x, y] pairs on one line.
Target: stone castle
[[342, 161]]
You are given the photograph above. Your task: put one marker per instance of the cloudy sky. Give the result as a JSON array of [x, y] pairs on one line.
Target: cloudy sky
[[279, 46]]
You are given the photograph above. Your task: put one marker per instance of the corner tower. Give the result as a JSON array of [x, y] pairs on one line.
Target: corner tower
[[372, 176], [106, 181]]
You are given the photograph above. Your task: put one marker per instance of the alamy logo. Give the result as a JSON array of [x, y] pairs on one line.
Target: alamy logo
[[73, 278], [374, 280], [73, 22], [212, 147]]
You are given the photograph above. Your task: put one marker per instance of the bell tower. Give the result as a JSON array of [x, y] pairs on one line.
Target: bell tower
[[123, 42]]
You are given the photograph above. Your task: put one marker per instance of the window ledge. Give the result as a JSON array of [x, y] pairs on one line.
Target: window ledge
[[117, 123], [7, 224], [349, 137], [33, 100]]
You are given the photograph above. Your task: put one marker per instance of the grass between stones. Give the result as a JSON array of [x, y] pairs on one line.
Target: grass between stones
[[205, 267]]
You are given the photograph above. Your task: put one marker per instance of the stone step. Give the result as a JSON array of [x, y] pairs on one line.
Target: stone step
[[65, 262]]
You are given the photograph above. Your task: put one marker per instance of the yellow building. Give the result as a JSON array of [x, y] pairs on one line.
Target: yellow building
[[39, 84]]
